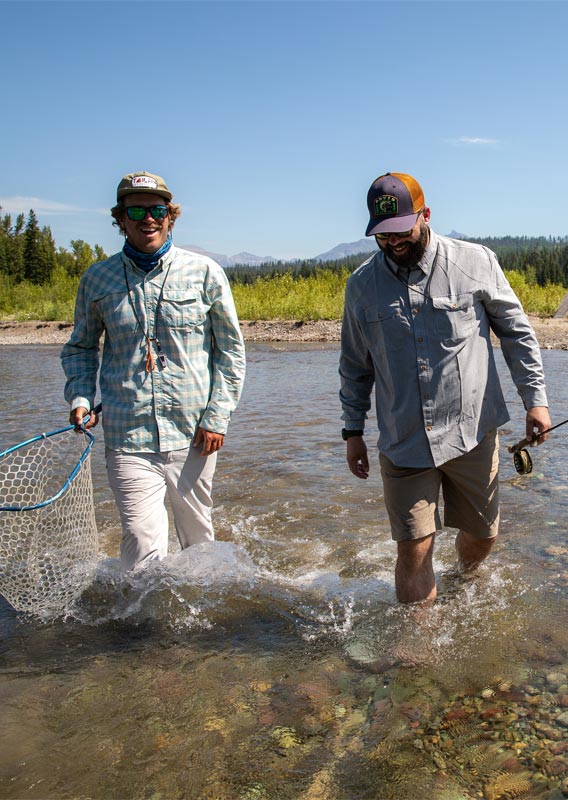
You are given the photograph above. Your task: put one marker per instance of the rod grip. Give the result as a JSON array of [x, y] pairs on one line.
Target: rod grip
[[514, 448]]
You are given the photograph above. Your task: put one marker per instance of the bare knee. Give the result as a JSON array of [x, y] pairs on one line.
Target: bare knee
[[414, 573], [471, 550]]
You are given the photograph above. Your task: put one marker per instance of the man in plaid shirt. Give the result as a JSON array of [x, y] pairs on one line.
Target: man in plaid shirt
[[171, 373]]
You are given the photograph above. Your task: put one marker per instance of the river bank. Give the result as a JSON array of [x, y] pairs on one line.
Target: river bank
[[552, 333]]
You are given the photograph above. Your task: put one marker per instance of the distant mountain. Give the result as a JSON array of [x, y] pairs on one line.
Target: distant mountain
[[367, 245], [347, 249], [218, 257], [251, 260], [230, 261]]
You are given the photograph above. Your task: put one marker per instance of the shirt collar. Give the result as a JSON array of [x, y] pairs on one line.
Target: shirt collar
[[425, 263], [427, 259]]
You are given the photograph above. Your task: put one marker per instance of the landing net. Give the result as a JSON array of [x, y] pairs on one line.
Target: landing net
[[47, 521]]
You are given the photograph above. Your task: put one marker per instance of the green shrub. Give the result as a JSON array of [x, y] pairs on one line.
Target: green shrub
[[285, 296]]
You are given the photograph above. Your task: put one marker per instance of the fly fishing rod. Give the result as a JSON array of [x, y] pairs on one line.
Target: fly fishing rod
[[521, 456]]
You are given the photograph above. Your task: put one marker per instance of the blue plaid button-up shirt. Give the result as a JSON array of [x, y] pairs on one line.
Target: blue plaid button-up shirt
[[426, 350], [186, 304]]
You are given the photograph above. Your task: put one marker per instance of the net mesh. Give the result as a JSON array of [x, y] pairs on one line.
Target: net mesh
[[43, 551]]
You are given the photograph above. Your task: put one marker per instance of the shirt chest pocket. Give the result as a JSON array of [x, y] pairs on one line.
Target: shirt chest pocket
[[453, 317], [182, 308], [386, 327]]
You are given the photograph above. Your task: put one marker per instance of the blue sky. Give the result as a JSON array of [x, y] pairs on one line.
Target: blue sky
[[269, 120]]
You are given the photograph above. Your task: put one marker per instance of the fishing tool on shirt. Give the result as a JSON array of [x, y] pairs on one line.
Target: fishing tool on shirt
[[521, 456], [47, 521], [150, 364]]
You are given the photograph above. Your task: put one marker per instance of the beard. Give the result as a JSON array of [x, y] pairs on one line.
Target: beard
[[413, 250]]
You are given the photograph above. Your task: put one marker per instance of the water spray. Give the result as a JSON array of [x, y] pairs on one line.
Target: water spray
[[521, 456]]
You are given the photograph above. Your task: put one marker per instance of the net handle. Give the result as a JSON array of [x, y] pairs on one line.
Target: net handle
[[96, 410], [74, 471]]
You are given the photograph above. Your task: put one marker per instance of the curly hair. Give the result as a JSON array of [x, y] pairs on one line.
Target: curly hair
[[118, 214]]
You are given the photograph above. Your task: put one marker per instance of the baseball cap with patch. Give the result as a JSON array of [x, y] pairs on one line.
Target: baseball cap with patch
[[143, 182], [394, 201]]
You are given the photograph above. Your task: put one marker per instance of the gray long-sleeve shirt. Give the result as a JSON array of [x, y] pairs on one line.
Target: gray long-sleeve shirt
[[427, 351]]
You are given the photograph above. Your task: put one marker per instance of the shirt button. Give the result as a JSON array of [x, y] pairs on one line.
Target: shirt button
[[415, 310], [454, 305], [423, 367], [420, 339], [428, 427]]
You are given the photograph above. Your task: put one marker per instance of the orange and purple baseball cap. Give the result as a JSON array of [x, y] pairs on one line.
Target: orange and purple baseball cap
[[395, 201]]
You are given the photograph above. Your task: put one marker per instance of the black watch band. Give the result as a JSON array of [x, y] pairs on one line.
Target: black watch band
[[345, 434]]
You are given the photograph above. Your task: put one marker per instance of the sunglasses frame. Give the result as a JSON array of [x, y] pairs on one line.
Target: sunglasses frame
[[157, 212]]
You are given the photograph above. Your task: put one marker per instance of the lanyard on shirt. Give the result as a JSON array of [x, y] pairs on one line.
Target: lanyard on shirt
[[406, 280], [150, 361]]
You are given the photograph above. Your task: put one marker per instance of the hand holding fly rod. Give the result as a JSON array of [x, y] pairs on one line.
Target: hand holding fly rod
[[538, 426], [521, 456]]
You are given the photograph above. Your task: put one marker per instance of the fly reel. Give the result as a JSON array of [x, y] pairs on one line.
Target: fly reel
[[522, 461]]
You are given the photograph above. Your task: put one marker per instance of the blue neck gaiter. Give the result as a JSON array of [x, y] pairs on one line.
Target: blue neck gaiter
[[147, 261]]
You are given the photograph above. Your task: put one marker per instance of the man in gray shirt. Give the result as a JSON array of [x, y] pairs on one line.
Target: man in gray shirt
[[416, 327]]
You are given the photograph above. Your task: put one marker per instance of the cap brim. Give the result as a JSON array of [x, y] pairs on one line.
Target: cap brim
[[161, 192], [392, 224]]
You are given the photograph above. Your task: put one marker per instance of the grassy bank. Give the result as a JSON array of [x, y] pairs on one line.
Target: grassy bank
[[319, 296]]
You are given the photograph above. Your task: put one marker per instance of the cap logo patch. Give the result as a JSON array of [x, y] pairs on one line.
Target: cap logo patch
[[144, 182], [386, 204]]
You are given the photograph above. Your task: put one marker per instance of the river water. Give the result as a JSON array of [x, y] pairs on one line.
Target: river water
[[259, 667]]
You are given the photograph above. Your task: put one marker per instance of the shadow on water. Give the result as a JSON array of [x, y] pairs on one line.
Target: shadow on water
[[274, 664]]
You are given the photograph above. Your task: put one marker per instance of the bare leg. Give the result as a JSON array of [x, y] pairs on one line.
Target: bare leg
[[414, 574], [472, 551]]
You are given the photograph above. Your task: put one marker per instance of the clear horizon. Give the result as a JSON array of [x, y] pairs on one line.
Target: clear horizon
[[269, 120]]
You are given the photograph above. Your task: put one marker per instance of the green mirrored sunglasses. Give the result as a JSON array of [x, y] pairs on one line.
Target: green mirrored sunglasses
[[138, 213]]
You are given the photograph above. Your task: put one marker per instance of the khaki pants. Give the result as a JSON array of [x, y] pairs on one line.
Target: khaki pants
[[140, 482]]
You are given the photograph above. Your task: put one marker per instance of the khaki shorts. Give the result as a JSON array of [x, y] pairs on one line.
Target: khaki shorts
[[469, 486]]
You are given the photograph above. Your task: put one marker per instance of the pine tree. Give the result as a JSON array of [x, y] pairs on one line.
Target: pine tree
[[39, 251], [32, 250], [13, 247], [48, 253]]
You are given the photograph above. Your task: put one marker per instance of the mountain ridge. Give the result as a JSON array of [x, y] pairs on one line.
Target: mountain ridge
[[252, 260], [342, 250]]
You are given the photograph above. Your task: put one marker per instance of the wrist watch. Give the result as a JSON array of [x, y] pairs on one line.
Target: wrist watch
[[345, 434]]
